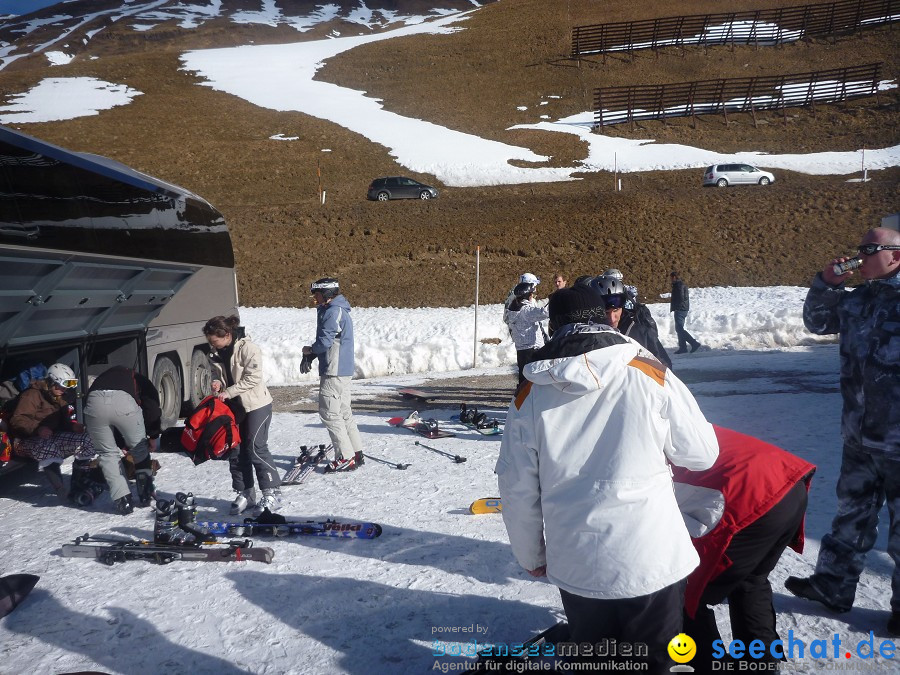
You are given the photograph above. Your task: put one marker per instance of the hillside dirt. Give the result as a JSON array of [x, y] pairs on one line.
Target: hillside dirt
[[507, 54]]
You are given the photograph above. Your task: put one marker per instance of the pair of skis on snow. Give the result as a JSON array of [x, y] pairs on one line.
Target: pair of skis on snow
[[110, 550], [309, 458]]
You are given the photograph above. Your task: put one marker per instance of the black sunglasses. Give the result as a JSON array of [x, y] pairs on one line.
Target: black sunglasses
[[614, 301], [872, 249]]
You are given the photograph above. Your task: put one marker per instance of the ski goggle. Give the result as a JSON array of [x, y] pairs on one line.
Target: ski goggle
[[872, 249], [66, 384], [614, 301], [320, 286]]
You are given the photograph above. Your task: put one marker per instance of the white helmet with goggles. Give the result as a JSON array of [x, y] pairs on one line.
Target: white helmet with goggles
[[62, 376]]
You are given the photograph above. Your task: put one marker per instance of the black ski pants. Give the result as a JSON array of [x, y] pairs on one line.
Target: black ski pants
[[523, 357], [754, 552], [254, 453], [652, 620]]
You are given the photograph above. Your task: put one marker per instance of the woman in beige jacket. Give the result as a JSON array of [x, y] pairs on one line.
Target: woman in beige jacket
[[237, 364]]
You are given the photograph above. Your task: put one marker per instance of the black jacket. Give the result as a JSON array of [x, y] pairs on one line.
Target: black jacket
[[680, 301], [638, 324], [120, 378]]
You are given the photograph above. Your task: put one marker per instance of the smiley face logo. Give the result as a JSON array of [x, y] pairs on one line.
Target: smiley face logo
[[682, 648]]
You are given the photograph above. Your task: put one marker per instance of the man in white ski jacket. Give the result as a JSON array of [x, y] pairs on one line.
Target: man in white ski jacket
[[586, 486]]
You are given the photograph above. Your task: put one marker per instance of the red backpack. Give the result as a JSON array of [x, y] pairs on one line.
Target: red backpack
[[210, 432]]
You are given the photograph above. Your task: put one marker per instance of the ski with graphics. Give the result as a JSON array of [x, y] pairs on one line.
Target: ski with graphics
[[275, 525]]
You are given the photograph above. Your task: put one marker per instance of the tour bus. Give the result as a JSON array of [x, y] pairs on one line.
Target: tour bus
[[102, 265]]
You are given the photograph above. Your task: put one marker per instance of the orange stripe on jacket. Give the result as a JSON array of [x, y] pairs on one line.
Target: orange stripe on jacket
[[650, 367], [522, 393]]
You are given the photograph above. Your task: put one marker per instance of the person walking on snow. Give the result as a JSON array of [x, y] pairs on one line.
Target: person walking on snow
[[237, 363], [867, 318], [584, 476], [524, 324], [123, 400], [681, 305], [334, 348]]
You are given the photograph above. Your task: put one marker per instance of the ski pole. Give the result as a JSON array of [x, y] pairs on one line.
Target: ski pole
[[393, 465], [455, 458]]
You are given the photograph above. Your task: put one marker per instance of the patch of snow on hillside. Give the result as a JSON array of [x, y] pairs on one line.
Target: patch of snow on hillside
[[58, 58], [63, 98]]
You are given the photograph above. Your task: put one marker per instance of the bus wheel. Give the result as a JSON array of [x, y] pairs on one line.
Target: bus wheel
[[167, 381], [201, 377]]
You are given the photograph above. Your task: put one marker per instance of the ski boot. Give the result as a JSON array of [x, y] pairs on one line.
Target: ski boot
[[466, 414], [85, 486], [165, 529], [54, 477], [143, 479], [243, 500], [124, 505], [187, 517], [271, 500]]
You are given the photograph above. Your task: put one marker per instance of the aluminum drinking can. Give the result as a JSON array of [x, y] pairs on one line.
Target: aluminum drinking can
[[841, 269]]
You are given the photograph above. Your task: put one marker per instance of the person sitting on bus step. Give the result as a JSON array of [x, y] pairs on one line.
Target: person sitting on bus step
[[42, 428], [239, 383], [123, 400]]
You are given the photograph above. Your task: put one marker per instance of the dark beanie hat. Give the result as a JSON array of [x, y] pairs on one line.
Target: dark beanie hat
[[578, 304]]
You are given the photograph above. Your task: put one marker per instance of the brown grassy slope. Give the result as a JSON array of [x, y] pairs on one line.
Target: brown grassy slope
[[409, 253], [512, 53]]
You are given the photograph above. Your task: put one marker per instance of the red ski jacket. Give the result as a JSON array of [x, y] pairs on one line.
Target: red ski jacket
[[749, 477]]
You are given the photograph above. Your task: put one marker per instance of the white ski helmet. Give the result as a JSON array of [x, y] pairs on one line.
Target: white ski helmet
[[62, 376], [529, 278], [327, 286]]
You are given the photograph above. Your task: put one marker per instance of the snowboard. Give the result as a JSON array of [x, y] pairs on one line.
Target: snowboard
[[416, 394], [109, 553], [486, 505], [427, 428], [491, 428], [471, 418], [251, 527], [305, 463]]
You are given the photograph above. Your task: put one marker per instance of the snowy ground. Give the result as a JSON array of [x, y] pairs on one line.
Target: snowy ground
[[326, 606]]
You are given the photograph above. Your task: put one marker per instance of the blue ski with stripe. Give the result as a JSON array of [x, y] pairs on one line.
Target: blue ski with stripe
[[291, 528]]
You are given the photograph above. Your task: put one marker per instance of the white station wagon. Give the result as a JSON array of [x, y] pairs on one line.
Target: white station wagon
[[723, 175]]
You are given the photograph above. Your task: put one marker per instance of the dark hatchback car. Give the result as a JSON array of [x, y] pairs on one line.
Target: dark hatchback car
[[398, 187]]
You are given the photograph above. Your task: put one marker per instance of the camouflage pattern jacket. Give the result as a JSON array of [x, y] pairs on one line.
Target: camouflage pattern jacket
[[868, 320]]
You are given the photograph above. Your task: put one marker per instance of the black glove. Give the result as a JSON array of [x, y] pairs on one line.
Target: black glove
[[306, 363]]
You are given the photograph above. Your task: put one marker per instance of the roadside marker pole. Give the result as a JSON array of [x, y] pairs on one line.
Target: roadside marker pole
[[477, 282]]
